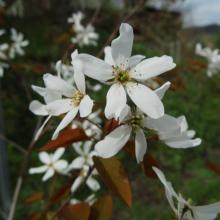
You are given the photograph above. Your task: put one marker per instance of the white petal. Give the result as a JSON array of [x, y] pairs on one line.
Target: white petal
[[162, 90], [93, 184], [166, 123], [77, 163], [95, 68], [145, 99], [183, 123], [85, 107], [59, 107], [44, 157], [187, 143], [38, 133], [116, 101], [140, 145], [66, 120], [56, 83], [50, 172], [122, 46], [38, 108], [108, 56], [58, 154], [76, 183], [74, 55], [79, 79], [152, 67], [134, 60], [60, 165], [113, 142], [212, 208], [41, 169], [77, 148], [87, 146]]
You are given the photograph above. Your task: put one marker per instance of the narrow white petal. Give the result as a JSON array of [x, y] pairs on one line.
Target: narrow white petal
[[59, 107], [122, 46], [140, 145], [146, 100], [77, 148], [93, 184], [77, 163], [212, 208], [85, 107], [95, 68], [108, 56], [116, 100], [38, 133], [183, 144], [44, 157], [113, 142], [58, 154], [78, 181], [66, 120], [134, 60], [38, 108], [58, 84], [152, 67], [60, 165], [41, 169], [79, 77], [50, 172], [162, 90]]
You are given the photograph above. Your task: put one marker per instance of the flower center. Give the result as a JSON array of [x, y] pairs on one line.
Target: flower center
[[136, 121], [77, 97], [121, 75]]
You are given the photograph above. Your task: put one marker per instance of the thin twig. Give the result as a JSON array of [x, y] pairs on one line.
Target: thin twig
[[17, 146]]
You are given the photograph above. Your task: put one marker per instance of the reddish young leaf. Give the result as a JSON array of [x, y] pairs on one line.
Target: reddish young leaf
[[214, 167], [35, 197], [34, 216], [80, 211], [114, 176], [148, 162], [102, 208], [65, 138], [110, 126]]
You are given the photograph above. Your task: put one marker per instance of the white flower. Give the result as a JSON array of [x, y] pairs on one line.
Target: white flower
[[135, 122], [3, 66], [174, 131], [3, 49], [85, 35], [85, 155], [183, 209], [75, 100], [213, 57], [125, 72], [52, 162], [18, 43], [91, 182]]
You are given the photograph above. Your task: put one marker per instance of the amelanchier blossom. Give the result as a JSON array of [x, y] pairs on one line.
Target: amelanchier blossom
[[174, 131], [125, 74], [18, 42], [52, 164], [213, 57], [183, 209], [84, 35], [129, 122]]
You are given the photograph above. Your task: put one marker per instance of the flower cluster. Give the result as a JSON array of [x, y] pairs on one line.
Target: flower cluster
[[213, 57], [9, 51], [84, 35], [137, 108]]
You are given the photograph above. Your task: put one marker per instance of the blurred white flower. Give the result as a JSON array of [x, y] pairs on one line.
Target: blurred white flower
[[90, 200], [90, 181], [2, 3], [84, 35], [213, 57], [85, 155], [52, 162], [3, 51], [3, 66], [125, 72], [17, 45], [174, 131], [182, 208]]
